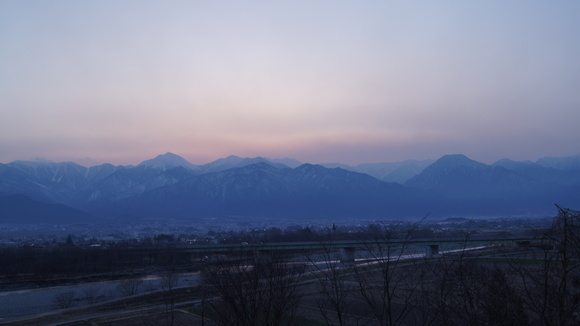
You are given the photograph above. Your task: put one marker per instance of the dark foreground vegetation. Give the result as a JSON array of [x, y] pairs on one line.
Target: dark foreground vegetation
[[531, 285], [523, 283]]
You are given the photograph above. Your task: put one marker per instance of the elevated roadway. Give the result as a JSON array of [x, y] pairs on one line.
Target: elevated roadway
[[348, 247]]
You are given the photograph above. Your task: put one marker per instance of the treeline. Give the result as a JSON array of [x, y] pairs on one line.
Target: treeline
[[450, 228], [29, 264], [295, 234]]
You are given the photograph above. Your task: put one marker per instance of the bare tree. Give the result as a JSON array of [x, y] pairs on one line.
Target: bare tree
[[168, 283], [150, 287], [461, 290], [333, 286], [130, 286], [64, 300], [252, 294], [91, 294], [501, 304], [435, 294], [453, 290], [551, 285], [389, 282]]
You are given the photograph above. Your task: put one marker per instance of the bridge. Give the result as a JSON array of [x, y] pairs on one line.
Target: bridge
[[347, 248]]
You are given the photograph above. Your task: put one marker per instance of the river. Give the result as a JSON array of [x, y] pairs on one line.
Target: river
[[24, 302]]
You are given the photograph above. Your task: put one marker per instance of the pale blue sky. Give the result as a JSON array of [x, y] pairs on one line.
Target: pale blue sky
[[319, 81]]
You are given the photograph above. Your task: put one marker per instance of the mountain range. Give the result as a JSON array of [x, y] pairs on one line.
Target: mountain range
[[169, 186]]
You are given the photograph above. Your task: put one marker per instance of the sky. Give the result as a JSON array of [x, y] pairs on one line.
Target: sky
[[319, 81]]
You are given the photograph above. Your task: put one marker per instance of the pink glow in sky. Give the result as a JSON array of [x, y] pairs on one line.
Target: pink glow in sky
[[319, 81]]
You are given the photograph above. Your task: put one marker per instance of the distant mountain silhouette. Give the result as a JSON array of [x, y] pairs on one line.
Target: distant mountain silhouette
[[233, 161], [506, 185], [459, 176], [129, 181], [541, 174], [169, 186], [562, 163], [169, 161], [19, 209], [398, 172], [264, 190]]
